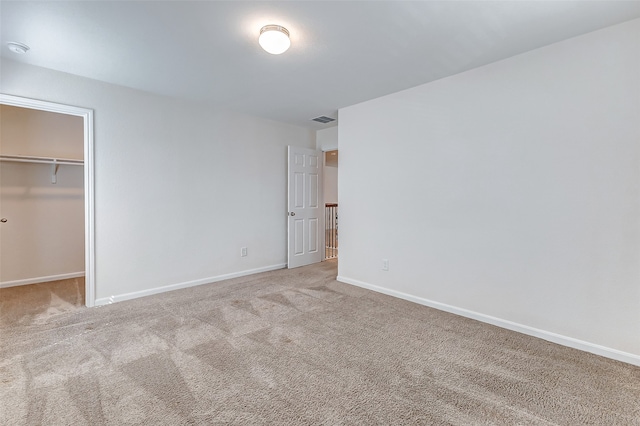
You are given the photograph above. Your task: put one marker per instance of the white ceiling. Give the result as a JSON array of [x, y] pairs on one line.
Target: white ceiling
[[342, 52]]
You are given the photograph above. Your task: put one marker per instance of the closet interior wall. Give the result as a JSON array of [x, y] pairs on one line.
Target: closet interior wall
[[43, 236]]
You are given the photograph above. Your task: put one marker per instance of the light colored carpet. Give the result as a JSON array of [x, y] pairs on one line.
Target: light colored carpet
[[35, 303], [295, 347]]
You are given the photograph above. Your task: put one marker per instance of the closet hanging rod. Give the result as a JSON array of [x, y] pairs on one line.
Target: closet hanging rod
[[41, 160]]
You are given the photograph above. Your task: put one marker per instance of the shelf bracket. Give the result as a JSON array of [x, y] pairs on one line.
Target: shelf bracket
[[54, 171]]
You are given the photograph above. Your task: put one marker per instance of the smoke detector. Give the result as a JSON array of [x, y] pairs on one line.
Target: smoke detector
[[18, 48]]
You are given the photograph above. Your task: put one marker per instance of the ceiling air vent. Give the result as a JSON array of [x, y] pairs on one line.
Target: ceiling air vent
[[323, 119]]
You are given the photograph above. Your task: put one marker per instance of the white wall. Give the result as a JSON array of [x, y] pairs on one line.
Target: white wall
[[330, 178], [26, 131], [509, 193], [179, 187], [327, 139], [43, 237]]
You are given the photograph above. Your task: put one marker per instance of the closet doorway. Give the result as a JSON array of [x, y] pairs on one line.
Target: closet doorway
[[47, 231]]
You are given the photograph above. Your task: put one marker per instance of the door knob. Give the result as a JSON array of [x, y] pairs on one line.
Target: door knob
[[3, 220], [292, 213]]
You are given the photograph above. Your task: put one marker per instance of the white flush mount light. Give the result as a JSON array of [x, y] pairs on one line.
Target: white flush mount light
[[16, 47], [274, 39]]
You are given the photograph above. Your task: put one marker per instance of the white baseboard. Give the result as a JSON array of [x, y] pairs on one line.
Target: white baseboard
[[171, 287], [37, 280], [510, 325]]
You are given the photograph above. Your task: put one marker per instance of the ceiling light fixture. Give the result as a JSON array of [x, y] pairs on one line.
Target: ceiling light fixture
[[16, 47], [274, 39]]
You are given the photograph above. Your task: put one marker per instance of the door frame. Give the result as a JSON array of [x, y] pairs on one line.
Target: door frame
[[89, 202]]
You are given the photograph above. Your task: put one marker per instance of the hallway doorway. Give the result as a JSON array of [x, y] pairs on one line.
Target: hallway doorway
[[331, 204]]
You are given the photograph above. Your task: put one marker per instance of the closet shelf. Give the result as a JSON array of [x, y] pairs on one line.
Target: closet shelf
[[54, 162], [40, 160]]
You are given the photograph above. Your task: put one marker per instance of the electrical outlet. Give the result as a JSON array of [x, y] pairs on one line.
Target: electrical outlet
[[243, 251], [385, 264]]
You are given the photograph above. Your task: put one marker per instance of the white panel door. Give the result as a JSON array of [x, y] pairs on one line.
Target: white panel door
[[306, 209]]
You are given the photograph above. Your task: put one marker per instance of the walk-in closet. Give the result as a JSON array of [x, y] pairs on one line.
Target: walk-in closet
[[42, 251]]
